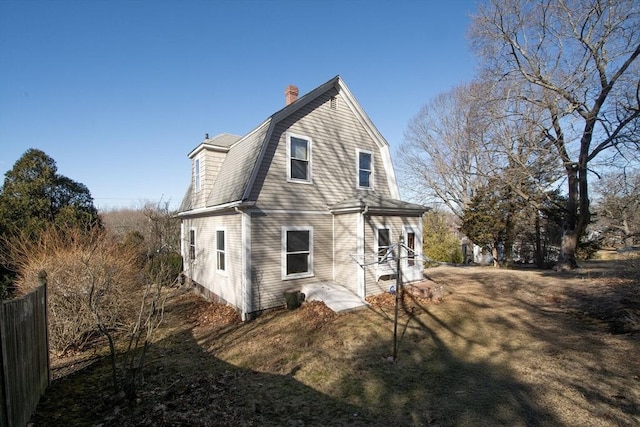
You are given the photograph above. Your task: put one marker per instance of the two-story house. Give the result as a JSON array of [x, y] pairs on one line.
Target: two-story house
[[297, 200]]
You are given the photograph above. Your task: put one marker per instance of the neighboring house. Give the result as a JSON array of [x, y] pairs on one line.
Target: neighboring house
[[293, 202]]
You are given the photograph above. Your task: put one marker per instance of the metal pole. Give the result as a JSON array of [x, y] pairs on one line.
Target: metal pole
[[398, 290]]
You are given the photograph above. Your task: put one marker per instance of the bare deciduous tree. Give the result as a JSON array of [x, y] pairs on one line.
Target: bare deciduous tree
[[618, 207], [575, 61], [443, 153]]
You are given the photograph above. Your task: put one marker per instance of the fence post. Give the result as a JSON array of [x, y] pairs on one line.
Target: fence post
[[4, 408], [43, 281], [24, 354]]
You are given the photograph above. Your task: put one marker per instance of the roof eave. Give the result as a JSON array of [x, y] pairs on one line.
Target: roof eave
[[231, 206], [206, 146]]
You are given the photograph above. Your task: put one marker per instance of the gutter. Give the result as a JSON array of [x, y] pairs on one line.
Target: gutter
[[237, 205]]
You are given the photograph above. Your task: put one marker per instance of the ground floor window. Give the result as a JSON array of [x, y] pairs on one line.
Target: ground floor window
[[297, 252], [220, 250], [383, 243], [411, 245], [192, 245]]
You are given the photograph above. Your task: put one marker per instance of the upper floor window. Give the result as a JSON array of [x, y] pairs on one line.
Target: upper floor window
[[220, 251], [299, 158], [365, 169], [196, 175]]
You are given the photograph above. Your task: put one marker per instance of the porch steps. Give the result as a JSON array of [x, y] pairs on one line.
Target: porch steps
[[334, 295]]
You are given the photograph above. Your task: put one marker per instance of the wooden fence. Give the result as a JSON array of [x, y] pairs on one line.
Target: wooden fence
[[24, 353]]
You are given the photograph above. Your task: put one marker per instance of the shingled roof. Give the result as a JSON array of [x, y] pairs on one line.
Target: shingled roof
[[376, 204], [235, 178]]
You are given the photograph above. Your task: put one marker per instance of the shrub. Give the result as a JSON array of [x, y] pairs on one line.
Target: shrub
[[164, 267], [439, 241], [587, 250], [89, 277]]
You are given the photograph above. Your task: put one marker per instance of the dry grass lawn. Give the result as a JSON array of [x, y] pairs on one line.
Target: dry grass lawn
[[517, 347]]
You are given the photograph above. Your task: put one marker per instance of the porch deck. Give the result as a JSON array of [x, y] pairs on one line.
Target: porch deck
[[334, 295]]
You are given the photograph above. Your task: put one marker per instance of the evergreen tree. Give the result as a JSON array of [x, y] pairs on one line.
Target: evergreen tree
[[34, 197], [491, 218]]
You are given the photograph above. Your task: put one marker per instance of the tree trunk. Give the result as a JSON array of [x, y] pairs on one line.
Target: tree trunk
[[584, 213], [567, 259], [539, 256], [494, 253], [509, 235]]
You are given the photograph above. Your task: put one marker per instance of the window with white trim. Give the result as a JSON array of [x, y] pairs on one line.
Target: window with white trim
[[192, 245], [220, 250], [196, 175], [299, 158], [297, 252], [411, 245], [365, 169], [383, 243]]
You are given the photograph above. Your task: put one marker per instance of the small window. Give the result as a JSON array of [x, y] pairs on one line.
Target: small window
[[297, 252], [411, 245], [196, 176], [299, 153], [220, 251], [384, 243], [365, 169], [192, 245]]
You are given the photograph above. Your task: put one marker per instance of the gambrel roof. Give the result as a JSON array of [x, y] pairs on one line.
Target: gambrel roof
[[235, 179]]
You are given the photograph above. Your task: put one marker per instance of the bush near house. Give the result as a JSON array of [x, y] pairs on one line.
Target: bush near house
[[78, 263]]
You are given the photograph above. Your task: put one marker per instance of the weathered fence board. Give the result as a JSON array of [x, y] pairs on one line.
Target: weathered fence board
[[24, 353]]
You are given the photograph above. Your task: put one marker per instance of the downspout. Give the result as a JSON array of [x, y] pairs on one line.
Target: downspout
[[333, 241], [364, 250]]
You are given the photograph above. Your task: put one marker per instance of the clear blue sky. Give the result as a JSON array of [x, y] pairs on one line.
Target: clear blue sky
[[119, 92]]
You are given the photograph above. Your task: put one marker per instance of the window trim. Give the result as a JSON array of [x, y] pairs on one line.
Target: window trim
[[284, 253], [371, 172], [222, 251], [411, 257], [309, 179], [379, 257], [197, 175], [192, 245]]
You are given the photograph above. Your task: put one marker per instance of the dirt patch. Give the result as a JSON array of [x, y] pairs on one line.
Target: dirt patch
[[501, 347], [210, 313], [411, 295], [316, 314]]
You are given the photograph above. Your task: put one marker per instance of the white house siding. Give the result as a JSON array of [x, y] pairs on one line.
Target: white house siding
[[346, 268], [210, 162], [224, 286], [336, 134], [266, 254], [396, 226]]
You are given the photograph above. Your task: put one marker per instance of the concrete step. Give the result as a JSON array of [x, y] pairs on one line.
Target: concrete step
[[337, 297]]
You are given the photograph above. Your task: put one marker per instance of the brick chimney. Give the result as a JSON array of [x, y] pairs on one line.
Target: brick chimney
[[290, 94]]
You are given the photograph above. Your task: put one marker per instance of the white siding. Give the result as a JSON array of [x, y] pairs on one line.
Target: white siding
[[225, 286], [210, 162], [266, 254], [346, 267], [396, 226], [336, 136]]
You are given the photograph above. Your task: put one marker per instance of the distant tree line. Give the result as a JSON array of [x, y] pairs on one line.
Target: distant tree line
[[103, 280], [512, 154]]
